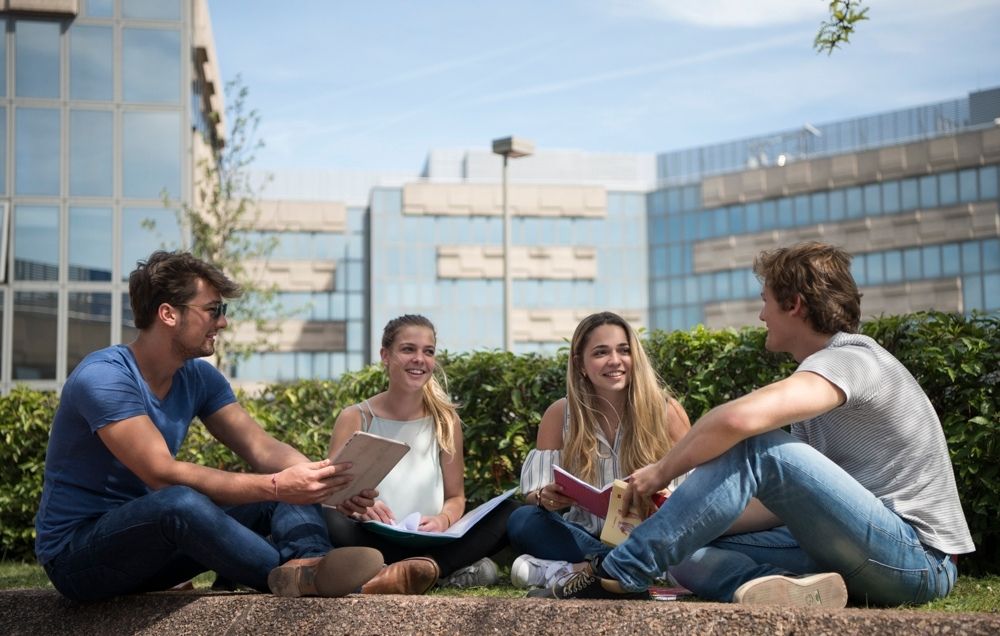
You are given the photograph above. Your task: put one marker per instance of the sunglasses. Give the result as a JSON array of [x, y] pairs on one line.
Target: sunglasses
[[216, 311]]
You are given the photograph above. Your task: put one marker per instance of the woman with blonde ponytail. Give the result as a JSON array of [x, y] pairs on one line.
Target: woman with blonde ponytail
[[429, 480], [616, 418]]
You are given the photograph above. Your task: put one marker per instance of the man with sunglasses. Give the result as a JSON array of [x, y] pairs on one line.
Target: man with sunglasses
[[120, 514]]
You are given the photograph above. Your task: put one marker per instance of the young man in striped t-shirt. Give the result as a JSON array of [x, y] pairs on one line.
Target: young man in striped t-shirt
[[858, 501]]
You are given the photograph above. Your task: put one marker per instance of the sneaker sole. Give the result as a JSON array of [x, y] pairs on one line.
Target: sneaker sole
[[825, 590]]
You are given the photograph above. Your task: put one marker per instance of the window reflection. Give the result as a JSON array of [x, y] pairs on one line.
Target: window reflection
[[36, 59], [129, 332], [99, 8], [3, 141], [36, 151], [3, 63], [91, 54], [152, 9], [145, 230], [36, 243], [91, 142], [90, 244], [33, 353], [145, 49], [151, 154], [88, 325]]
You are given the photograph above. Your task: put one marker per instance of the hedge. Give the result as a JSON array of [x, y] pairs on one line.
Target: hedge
[[955, 358]]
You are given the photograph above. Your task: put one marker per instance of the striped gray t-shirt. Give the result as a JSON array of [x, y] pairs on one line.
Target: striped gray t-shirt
[[887, 436]]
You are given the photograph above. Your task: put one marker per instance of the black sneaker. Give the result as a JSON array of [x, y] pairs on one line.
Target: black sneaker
[[583, 584]]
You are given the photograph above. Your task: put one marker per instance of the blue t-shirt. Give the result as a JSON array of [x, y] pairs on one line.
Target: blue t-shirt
[[83, 480]]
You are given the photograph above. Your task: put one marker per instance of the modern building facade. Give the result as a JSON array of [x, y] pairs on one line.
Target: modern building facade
[[108, 106], [911, 194]]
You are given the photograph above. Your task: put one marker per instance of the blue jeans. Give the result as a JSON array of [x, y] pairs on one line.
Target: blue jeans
[[832, 523], [170, 535], [546, 535]]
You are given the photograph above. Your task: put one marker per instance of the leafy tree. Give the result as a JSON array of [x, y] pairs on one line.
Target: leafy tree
[[844, 14], [221, 219]]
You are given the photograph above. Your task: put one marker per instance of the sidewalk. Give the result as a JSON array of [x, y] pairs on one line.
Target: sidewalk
[[176, 613]]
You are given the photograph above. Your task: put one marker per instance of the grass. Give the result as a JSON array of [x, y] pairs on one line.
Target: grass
[[970, 594]]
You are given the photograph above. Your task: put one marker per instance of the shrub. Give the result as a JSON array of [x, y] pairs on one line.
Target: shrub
[[956, 359], [25, 417]]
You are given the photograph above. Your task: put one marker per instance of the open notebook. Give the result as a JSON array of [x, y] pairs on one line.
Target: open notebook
[[405, 532]]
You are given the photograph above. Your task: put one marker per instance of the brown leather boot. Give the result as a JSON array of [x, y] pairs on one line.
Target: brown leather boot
[[409, 576], [340, 572]]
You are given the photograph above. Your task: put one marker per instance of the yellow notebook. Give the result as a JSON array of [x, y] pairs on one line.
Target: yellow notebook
[[616, 527]]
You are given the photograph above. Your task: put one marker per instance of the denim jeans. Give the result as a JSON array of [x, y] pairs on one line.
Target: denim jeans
[[832, 523], [546, 535], [170, 535]]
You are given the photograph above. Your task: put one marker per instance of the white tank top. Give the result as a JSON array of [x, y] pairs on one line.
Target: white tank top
[[416, 483]]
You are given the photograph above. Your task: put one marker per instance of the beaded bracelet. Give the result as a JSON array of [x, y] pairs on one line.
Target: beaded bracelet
[[274, 481]]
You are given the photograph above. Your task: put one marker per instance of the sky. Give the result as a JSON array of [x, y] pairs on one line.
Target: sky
[[374, 85]]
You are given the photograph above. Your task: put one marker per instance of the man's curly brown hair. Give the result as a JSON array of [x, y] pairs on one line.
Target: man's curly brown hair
[[819, 274]]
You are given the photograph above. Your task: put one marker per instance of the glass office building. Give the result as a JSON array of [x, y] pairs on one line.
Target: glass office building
[[106, 107], [912, 194]]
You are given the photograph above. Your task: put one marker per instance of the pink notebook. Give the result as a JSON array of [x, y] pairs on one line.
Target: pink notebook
[[588, 497]]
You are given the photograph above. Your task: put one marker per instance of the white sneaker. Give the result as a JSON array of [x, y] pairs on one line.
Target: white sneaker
[[480, 574], [809, 590], [528, 571]]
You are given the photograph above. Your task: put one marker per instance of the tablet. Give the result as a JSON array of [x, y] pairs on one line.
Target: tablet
[[373, 457]]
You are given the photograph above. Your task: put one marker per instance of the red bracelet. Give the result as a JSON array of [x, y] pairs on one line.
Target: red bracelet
[[274, 480]]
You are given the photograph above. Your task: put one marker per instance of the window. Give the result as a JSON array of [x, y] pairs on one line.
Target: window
[[89, 329], [99, 8], [36, 59], [912, 269], [768, 215], [33, 354], [855, 203], [36, 243], [928, 192], [838, 205], [753, 217], [932, 261], [893, 266], [91, 151], [151, 154], [802, 212], [786, 213], [909, 194], [967, 185], [90, 246], [948, 184], [873, 199], [145, 49], [951, 261], [91, 57], [890, 197], [820, 207], [988, 177], [151, 9], [971, 262], [36, 151]]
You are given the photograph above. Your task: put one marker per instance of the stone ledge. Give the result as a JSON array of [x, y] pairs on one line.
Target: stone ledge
[[44, 611]]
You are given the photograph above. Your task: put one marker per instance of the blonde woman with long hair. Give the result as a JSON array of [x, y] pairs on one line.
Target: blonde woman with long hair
[[616, 418], [416, 409]]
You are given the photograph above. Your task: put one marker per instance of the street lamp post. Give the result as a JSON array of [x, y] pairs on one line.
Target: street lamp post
[[509, 148]]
